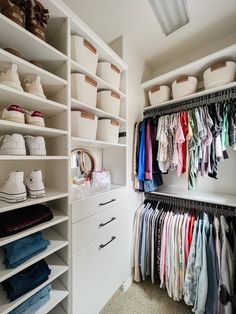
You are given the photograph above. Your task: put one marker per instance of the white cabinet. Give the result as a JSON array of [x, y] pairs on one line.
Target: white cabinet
[[98, 271]]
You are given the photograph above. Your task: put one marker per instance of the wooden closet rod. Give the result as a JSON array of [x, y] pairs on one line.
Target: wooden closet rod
[[192, 204], [198, 101]]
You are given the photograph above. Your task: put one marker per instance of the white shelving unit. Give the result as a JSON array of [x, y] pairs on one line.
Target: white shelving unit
[[221, 191], [55, 78]]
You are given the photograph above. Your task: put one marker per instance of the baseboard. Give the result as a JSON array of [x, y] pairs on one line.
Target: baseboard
[[126, 285]]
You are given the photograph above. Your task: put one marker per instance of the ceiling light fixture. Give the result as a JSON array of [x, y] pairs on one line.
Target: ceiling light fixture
[[171, 14]]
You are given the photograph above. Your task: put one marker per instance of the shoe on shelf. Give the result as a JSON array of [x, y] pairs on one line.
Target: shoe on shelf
[[34, 184], [12, 145], [14, 10], [35, 145], [14, 190], [11, 78], [13, 113], [34, 118], [33, 86]]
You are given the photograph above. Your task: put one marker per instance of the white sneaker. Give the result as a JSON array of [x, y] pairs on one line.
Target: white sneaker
[[14, 191], [14, 113], [11, 78], [34, 184], [12, 145], [34, 86], [34, 118], [35, 145]]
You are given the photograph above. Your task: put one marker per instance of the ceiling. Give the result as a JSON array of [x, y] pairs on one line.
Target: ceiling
[[210, 21]]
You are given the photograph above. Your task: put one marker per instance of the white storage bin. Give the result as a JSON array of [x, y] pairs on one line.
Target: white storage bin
[[84, 89], [159, 94], [84, 125], [109, 101], [109, 73], [219, 74], [184, 86], [108, 130], [83, 52]]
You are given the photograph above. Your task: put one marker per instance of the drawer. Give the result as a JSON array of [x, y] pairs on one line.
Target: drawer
[[99, 270], [91, 206], [91, 228]]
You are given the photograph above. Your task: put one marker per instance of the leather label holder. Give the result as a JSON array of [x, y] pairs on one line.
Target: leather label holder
[[115, 95], [88, 45], [113, 122], [87, 115], [90, 81], [182, 79], [114, 67], [218, 66], [156, 89]]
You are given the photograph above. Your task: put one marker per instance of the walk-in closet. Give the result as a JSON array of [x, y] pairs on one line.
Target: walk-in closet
[[117, 157]]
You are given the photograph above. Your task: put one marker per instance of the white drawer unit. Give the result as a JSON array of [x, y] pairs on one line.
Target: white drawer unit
[[89, 229], [91, 206], [99, 270]]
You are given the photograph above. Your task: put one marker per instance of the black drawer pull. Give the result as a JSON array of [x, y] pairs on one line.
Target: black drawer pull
[[103, 204], [103, 245], [105, 223]]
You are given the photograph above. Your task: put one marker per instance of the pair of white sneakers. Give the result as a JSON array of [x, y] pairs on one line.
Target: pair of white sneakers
[[17, 144], [16, 113], [31, 83], [15, 189]]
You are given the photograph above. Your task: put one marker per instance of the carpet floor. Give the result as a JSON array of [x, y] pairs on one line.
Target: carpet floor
[[144, 298]]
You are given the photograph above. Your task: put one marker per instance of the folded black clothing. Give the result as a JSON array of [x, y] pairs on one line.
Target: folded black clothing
[[26, 280], [21, 219]]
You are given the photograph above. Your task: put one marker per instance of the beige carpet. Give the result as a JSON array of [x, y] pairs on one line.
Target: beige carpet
[[144, 298]]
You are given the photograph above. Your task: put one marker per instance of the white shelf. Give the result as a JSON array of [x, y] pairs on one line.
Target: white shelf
[[102, 85], [57, 310], [113, 187], [57, 243], [28, 129], [6, 157], [58, 217], [57, 294], [78, 105], [57, 266], [51, 194], [198, 94], [13, 34], [195, 68], [214, 198], [51, 83], [29, 102], [96, 144]]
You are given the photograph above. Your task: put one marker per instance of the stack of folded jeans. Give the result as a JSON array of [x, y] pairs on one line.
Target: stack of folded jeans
[[18, 252], [26, 280], [24, 218], [34, 303]]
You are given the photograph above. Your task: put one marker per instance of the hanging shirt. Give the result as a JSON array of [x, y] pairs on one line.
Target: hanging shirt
[[180, 139], [149, 146], [142, 152], [162, 144]]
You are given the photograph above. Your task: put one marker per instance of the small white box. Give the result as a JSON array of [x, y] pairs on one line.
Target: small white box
[[159, 94], [109, 101], [109, 73], [84, 125], [184, 86], [108, 131], [219, 74], [84, 89], [83, 52]]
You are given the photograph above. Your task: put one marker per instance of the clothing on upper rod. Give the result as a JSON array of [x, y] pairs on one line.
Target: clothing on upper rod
[[193, 141], [189, 253]]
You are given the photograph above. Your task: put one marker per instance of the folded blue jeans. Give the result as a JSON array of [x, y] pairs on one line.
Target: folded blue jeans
[[23, 249], [34, 303], [26, 280]]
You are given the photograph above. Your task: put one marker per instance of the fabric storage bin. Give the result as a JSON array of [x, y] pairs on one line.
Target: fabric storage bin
[[83, 52], [109, 73], [109, 101], [184, 86], [159, 94], [108, 130], [84, 125], [84, 89], [219, 74]]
